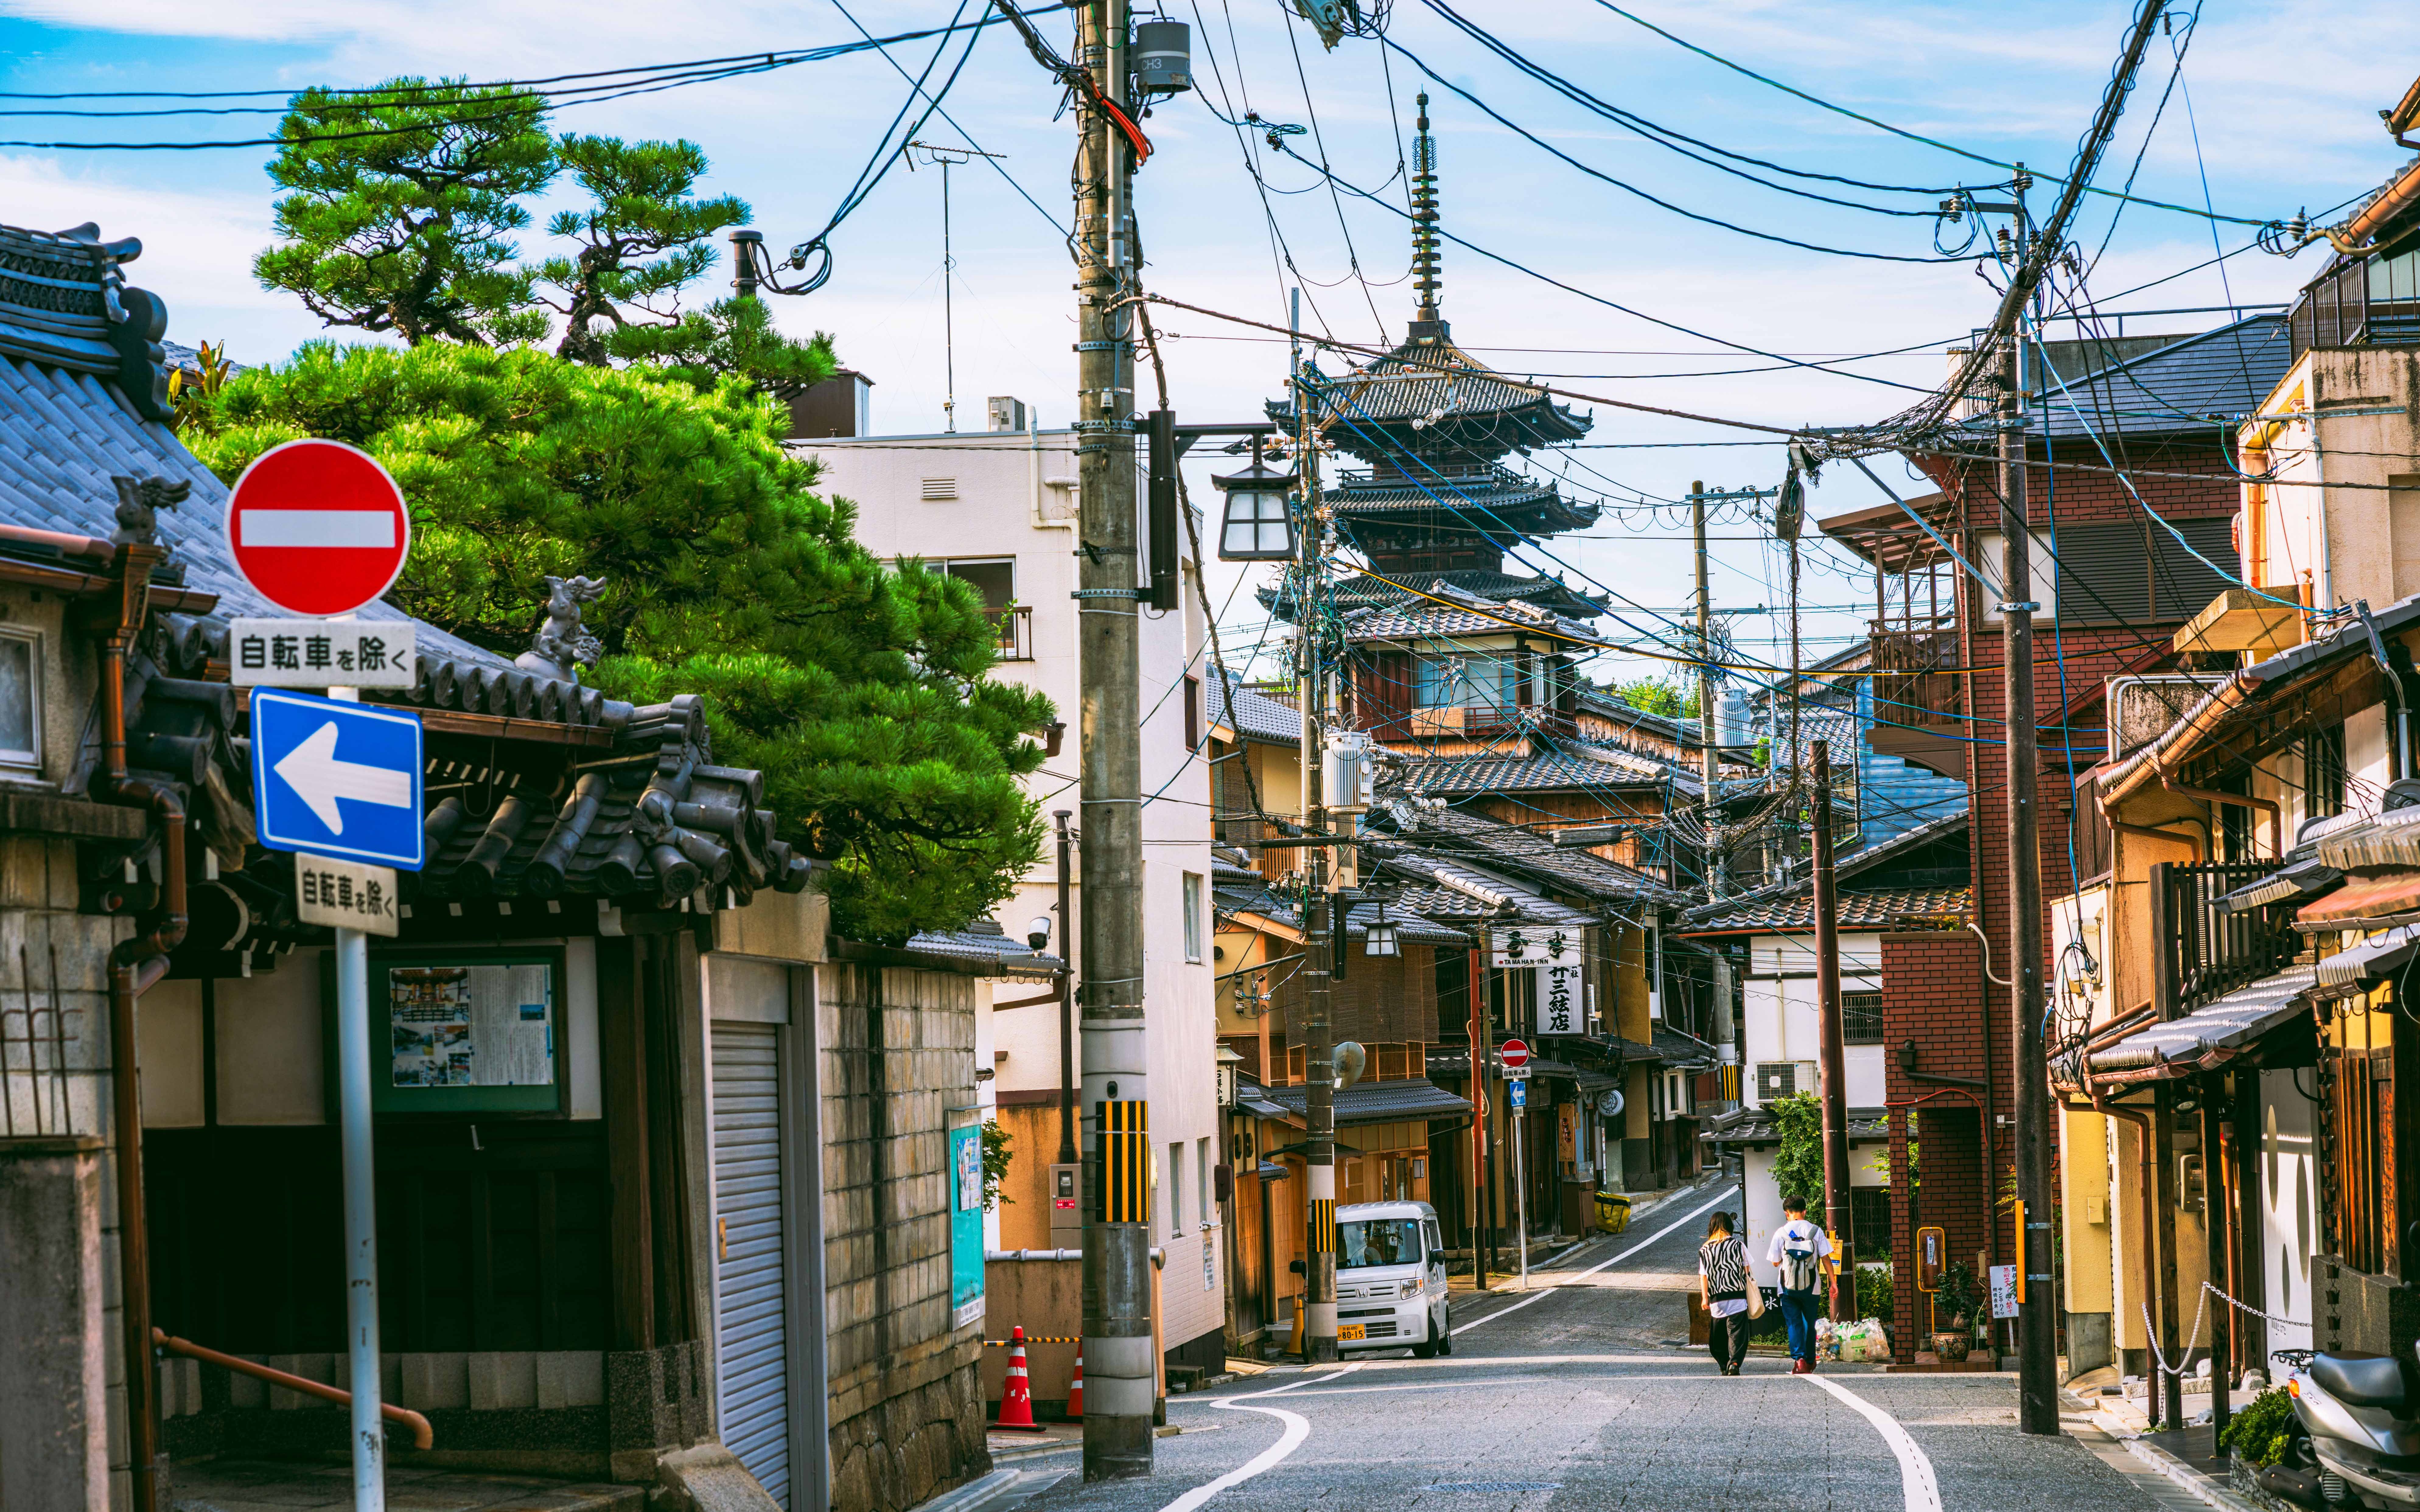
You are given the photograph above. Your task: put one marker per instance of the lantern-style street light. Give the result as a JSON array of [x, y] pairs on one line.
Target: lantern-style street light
[[1258, 522]]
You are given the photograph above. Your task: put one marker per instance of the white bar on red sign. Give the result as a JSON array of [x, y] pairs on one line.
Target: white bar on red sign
[[341, 528], [320, 653], [347, 895]]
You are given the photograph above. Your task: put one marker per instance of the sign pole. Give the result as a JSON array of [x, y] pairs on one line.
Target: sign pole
[[360, 1207], [1521, 1196]]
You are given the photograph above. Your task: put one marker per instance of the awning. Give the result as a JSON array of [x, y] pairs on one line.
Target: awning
[[2212, 1030], [2393, 838], [1391, 1102], [2374, 957], [2297, 880], [2382, 897]]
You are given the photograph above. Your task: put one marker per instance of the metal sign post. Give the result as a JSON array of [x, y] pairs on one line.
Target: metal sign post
[[1516, 1091], [318, 528]]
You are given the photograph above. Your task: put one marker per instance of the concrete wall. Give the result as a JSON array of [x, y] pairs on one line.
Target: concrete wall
[[54, 1440], [2367, 542]]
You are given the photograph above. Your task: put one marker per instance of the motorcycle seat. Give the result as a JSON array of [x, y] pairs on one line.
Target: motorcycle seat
[[2359, 1377]]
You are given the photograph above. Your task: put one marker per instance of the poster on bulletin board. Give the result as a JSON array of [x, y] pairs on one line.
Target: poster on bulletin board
[[966, 1225]]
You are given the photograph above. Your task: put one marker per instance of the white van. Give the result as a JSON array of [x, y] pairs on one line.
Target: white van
[[1391, 1290]]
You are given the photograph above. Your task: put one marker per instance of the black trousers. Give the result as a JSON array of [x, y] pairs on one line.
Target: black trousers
[[1727, 1340]]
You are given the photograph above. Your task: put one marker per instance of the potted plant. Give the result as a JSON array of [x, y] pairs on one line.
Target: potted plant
[[1953, 1312]]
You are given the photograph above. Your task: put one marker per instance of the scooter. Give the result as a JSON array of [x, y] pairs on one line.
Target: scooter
[[2360, 1440]]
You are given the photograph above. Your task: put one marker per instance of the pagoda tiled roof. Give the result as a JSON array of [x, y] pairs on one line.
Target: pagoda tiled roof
[[1431, 394]]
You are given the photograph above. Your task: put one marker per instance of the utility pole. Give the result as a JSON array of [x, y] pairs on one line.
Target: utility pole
[[2037, 1337], [1833, 1069], [1120, 1367], [1709, 805], [1483, 1248], [1067, 1148], [1319, 1026]]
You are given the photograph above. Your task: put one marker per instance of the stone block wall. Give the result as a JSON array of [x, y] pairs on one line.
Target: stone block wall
[[906, 1407]]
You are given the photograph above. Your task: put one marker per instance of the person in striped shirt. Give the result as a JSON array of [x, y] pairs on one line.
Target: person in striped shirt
[[1722, 1285]]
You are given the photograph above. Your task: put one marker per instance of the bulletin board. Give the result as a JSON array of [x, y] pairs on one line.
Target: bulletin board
[[467, 1030]]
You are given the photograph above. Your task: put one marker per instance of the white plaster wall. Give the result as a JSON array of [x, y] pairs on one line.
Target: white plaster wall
[[2367, 772], [1784, 1021], [2288, 1208], [1008, 507]]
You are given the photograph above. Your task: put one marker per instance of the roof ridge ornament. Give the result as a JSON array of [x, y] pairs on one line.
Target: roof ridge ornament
[[1428, 327]]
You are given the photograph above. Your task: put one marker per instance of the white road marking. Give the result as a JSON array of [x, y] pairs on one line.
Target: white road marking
[[1726, 1194], [1296, 1430], [1916, 1484]]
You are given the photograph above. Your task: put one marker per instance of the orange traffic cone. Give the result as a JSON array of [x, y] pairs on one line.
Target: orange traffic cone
[[1075, 1393], [1017, 1393]]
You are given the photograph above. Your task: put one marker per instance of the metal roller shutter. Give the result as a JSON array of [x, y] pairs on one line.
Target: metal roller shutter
[[750, 1286]]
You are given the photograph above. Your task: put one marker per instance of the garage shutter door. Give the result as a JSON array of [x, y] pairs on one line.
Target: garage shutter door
[[749, 1291]]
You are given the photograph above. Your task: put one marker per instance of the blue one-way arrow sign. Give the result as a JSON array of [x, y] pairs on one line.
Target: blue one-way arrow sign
[[337, 778]]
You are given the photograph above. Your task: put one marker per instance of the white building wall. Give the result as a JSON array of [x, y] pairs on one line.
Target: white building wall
[[2290, 1214], [1015, 498], [1783, 1021]]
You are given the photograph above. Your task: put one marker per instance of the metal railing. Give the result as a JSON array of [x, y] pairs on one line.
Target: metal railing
[[1014, 627], [422, 1437], [2201, 953], [37, 1094]]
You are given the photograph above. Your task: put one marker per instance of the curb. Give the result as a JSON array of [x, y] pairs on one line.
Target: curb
[[2203, 1488]]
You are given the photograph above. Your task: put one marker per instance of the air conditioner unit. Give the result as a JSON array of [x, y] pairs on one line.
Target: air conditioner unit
[[2141, 709], [1777, 1079]]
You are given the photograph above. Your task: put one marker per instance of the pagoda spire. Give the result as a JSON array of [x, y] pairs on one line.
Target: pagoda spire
[[1427, 326]]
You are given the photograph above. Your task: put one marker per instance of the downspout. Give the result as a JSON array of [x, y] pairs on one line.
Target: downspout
[[134, 965], [2266, 805]]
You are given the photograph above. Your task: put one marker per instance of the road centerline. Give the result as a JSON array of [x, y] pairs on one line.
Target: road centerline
[[1721, 1197], [1922, 1492]]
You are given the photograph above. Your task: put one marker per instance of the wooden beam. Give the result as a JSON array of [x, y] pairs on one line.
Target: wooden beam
[[633, 1282], [486, 725]]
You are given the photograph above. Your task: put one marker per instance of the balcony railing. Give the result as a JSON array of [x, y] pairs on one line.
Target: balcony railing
[[2202, 953], [1922, 687], [1015, 626]]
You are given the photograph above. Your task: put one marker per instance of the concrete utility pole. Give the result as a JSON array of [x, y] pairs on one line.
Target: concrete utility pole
[[1319, 1026], [1833, 1069], [1119, 1366], [1707, 758], [2037, 1333]]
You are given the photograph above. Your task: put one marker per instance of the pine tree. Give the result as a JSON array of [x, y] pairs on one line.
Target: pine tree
[[860, 691], [401, 205], [642, 241]]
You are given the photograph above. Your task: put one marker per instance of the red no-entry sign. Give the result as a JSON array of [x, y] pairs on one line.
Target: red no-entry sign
[[317, 527], [1516, 1053]]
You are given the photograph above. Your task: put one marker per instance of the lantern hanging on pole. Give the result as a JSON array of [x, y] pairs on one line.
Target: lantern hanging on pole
[[1257, 524]]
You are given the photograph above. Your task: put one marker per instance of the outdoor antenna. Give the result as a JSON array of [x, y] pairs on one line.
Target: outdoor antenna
[[946, 157]]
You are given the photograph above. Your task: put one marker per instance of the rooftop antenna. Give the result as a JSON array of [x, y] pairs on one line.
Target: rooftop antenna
[[948, 157]]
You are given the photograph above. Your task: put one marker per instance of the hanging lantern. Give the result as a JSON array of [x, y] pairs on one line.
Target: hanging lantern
[[1258, 522], [1381, 938]]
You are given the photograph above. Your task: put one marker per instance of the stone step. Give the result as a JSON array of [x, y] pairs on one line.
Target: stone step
[[308, 1485]]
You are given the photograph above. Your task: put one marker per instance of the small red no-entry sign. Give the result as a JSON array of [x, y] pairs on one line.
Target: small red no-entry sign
[[1515, 1054], [317, 527]]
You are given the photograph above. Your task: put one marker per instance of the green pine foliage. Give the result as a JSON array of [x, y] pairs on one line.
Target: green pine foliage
[[1662, 695], [643, 238], [729, 338], [400, 205], [861, 691]]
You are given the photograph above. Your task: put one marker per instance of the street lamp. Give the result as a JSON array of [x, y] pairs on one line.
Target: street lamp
[[1257, 524], [1381, 938]]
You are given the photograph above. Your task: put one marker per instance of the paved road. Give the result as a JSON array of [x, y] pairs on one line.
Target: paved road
[[1564, 1400]]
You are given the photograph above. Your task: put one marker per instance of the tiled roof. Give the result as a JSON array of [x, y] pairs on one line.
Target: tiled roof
[[1375, 1101], [1881, 909], [1254, 715], [1597, 701], [2234, 1019], [1494, 587], [1467, 891], [2182, 387], [984, 945], [1449, 777], [1490, 841], [1856, 862], [1465, 396], [1754, 1126], [1411, 927]]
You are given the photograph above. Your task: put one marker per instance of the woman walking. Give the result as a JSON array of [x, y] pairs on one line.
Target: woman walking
[[1723, 1282]]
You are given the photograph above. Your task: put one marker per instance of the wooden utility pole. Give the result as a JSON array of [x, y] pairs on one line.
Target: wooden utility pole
[[1318, 1030], [2037, 1327], [1832, 1070], [1709, 805], [1119, 1362]]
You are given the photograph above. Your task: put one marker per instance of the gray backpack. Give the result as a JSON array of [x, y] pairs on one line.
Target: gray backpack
[[1798, 1267]]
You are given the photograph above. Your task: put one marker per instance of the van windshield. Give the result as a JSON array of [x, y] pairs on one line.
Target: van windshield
[[1377, 1241]]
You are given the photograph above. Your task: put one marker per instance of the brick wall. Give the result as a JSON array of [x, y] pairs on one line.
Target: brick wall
[[906, 1408]]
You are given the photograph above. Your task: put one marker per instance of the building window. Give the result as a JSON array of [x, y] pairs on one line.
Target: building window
[[1193, 712], [1870, 1221], [1192, 916], [2323, 772], [1208, 1187], [21, 703], [1469, 679], [1176, 1188], [1861, 1018]]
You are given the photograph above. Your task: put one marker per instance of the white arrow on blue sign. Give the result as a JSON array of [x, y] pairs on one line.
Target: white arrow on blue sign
[[337, 778], [1517, 1093]]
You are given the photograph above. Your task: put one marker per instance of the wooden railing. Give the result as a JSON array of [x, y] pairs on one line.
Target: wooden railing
[[420, 1435], [2204, 953]]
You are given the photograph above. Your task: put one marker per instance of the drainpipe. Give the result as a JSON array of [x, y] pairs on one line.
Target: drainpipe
[[2269, 807], [134, 965]]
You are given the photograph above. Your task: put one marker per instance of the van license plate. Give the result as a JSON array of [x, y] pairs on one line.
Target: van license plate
[[1350, 1331]]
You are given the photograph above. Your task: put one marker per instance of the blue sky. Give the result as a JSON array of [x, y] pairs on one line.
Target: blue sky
[[2276, 104]]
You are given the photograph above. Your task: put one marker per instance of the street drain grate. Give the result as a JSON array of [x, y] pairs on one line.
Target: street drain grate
[[1496, 1486]]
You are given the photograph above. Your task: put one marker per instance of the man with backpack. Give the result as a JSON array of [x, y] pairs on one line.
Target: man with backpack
[[1798, 1251]]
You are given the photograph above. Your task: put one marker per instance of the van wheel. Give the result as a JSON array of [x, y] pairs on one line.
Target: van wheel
[[1427, 1348], [1445, 1333]]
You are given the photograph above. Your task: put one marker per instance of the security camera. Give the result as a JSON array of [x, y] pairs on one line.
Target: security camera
[[1037, 935]]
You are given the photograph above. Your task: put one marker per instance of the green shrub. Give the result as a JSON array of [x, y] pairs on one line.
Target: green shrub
[[1874, 1296], [2259, 1432]]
